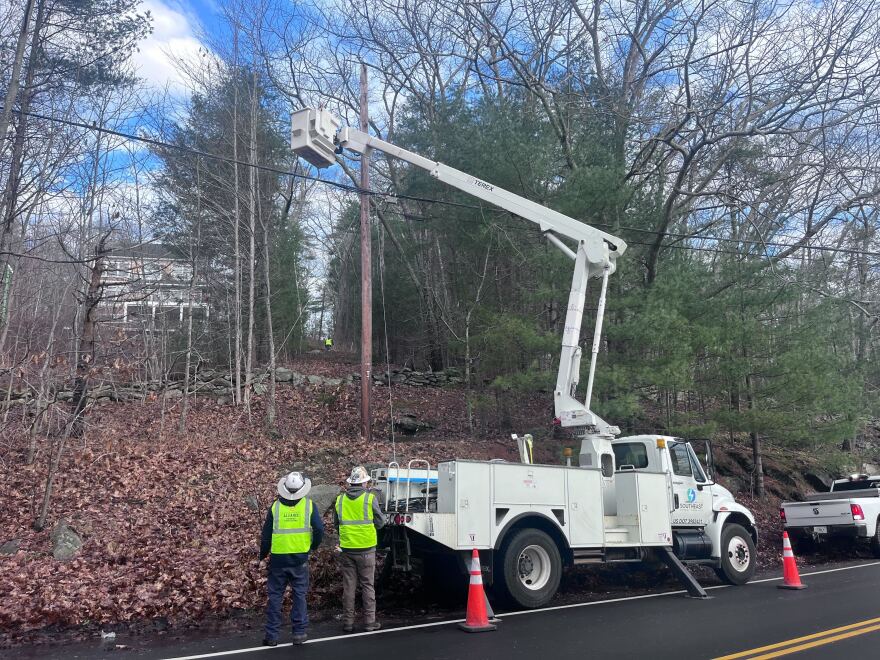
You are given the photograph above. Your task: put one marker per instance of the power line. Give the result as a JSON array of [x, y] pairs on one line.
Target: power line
[[427, 200], [233, 161]]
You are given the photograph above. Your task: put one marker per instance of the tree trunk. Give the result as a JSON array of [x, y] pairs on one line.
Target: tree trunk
[[41, 404], [87, 338], [757, 460], [237, 221], [267, 272], [12, 91], [252, 251], [9, 201], [194, 260]]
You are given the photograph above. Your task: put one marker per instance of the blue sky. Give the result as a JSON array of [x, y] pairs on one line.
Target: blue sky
[[176, 27]]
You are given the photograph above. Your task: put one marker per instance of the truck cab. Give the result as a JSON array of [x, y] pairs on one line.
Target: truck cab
[[709, 526]]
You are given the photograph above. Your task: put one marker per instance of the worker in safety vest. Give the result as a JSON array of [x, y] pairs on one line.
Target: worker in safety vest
[[357, 515], [292, 529], [328, 343]]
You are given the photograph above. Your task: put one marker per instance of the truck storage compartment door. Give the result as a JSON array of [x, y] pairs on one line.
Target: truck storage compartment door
[[473, 486], [824, 513], [642, 508], [584, 491], [529, 485]]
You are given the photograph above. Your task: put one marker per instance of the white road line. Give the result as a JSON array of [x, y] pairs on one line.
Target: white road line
[[253, 649], [592, 602], [502, 616]]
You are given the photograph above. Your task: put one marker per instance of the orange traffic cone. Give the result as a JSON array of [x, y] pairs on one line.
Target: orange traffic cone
[[791, 579], [477, 619]]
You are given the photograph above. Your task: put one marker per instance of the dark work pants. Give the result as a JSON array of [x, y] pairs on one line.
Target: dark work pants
[[279, 578]]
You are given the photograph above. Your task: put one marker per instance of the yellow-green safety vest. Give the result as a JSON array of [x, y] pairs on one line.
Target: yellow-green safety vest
[[292, 527], [356, 529]]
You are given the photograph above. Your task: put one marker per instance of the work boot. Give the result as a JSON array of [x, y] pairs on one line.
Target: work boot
[[347, 628], [370, 627], [270, 642], [300, 639]]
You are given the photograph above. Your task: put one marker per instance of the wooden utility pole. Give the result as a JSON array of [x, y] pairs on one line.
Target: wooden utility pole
[[366, 276]]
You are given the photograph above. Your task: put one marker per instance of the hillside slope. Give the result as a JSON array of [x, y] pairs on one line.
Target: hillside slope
[[170, 525]]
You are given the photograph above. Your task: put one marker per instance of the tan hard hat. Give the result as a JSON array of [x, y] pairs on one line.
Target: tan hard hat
[[358, 475]]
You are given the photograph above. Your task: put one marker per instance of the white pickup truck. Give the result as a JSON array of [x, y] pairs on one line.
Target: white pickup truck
[[850, 509]]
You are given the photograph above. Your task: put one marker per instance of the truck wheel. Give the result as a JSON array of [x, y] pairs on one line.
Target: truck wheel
[[531, 568], [875, 540], [738, 557]]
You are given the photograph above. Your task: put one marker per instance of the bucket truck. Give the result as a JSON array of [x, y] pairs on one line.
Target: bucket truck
[[627, 500]]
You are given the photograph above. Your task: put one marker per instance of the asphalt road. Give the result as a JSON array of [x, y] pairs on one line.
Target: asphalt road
[[838, 615]]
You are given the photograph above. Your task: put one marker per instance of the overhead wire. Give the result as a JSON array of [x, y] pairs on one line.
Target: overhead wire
[[427, 200], [234, 161], [387, 352]]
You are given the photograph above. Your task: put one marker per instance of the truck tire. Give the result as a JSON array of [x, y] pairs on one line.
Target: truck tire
[[530, 568], [738, 556], [875, 540]]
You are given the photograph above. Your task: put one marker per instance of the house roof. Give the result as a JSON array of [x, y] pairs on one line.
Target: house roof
[[147, 251]]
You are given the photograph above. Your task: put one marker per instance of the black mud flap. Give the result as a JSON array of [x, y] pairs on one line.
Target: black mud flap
[[486, 564], [680, 571]]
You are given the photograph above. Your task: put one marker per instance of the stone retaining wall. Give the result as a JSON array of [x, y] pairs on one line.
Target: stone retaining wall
[[219, 385]]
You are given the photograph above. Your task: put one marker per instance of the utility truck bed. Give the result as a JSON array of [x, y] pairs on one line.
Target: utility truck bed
[[476, 501]]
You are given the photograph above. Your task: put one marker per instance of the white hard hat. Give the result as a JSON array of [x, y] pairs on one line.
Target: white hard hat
[[358, 475], [294, 486]]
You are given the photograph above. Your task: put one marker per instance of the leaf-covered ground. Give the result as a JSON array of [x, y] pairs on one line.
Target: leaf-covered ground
[[166, 527], [168, 533]]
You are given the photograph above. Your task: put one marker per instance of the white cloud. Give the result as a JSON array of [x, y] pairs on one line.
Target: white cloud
[[173, 38]]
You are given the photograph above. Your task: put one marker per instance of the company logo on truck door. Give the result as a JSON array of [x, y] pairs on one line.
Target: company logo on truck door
[[692, 495], [483, 185]]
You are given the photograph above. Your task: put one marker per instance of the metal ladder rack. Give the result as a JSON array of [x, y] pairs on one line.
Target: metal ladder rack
[[396, 466], [409, 466], [395, 476]]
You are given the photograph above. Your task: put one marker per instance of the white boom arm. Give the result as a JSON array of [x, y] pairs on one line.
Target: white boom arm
[[318, 135]]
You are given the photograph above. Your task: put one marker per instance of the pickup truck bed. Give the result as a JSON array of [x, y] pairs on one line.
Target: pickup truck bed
[[842, 495]]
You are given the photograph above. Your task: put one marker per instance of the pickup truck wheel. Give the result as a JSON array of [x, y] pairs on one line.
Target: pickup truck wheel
[[738, 559], [875, 540], [531, 568]]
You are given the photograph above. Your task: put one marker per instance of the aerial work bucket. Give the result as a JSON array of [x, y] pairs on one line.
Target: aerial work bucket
[[312, 136]]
